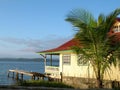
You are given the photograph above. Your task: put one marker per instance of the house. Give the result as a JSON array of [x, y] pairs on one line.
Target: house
[[70, 68]]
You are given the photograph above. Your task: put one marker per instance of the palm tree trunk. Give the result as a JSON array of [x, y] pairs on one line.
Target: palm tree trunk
[[99, 80]]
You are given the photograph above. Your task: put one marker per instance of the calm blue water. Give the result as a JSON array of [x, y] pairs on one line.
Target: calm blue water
[[35, 66]]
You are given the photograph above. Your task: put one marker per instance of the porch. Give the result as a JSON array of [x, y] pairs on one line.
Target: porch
[[51, 63], [52, 69], [53, 72]]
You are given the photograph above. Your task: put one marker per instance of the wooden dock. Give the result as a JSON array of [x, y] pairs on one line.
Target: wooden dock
[[18, 74]]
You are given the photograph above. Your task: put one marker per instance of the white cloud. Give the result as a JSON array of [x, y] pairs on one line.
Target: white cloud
[[33, 45]]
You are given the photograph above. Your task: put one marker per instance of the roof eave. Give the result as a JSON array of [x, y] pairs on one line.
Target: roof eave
[[55, 52]]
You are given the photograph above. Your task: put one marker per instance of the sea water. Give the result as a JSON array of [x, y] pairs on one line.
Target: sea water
[[27, 65]]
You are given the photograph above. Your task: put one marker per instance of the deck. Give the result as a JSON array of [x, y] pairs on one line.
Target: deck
[[18, 74]]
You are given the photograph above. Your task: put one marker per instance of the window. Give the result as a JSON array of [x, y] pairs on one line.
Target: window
[[81, 60], [116, 28], [66, 59]]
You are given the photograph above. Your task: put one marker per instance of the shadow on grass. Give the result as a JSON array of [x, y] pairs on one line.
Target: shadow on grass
[[47, 85], [38, 83]]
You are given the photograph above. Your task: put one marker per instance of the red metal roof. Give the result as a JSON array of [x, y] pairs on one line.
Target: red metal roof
[[118, 19], [65, 46], [116, 35]]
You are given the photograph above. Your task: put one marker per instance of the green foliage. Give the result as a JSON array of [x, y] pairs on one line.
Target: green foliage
[[43, 83], [93, 36]]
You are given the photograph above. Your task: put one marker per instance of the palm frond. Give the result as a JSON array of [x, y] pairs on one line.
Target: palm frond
[[101, 19], [110, 19], [80, 16], [98, 47]]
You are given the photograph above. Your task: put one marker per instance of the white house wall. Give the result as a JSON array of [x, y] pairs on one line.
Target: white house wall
[[112, 74], [73, 70]]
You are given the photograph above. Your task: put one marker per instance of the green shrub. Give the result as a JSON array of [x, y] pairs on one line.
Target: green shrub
[[43, 83]]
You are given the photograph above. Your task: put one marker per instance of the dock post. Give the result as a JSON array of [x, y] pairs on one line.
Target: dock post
[[38, 78], [33, 77], [42, 78], [21, 76], [17, 76], [8, 73], [13, 75]]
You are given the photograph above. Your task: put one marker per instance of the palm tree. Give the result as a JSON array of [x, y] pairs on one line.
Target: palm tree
[[93, 36]]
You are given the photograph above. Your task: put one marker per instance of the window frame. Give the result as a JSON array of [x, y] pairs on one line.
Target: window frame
[[81, 60], [66, 59], [116, 28]]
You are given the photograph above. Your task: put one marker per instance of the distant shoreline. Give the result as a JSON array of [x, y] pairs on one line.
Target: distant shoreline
[[21, 59], [26, 59]]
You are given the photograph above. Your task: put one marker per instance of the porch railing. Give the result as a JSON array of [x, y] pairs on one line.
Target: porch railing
[[52, 69]]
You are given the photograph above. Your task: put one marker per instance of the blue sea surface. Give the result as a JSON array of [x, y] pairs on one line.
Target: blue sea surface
[[31, 66]]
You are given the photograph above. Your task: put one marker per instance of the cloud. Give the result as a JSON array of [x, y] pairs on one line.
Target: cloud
[[28, 42], [35, 45], [41, 45]]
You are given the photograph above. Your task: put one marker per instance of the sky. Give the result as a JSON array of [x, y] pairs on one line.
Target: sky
[[29, 26]]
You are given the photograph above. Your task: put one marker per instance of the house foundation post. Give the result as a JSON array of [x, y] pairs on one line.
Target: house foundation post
[[44, 56], [51, 59], [61, 75]]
